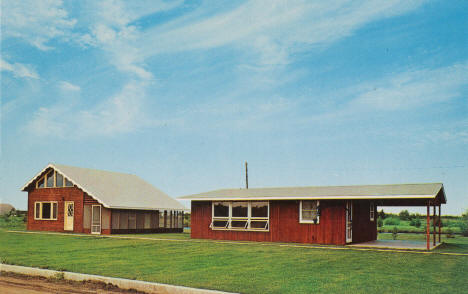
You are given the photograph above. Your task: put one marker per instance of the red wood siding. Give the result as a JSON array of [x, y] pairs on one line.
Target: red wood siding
[[363, 229], [60, 195], [284, 224]]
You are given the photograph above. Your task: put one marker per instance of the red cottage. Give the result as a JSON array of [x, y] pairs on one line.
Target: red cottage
[[71, 199], [323, 215]]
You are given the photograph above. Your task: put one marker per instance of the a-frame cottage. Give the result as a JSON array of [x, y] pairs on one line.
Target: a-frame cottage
[[323, 215], [72, 199]]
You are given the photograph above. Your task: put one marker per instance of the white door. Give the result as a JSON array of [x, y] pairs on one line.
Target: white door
[[68, 215], [96, 219], [349, 222]]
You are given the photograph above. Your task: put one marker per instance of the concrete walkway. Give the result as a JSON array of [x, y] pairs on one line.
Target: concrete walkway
[[126, 284], [396, 244]]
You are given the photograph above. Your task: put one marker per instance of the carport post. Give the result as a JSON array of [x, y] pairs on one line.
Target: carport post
[[434, 224], [440, 219], [428, 226]]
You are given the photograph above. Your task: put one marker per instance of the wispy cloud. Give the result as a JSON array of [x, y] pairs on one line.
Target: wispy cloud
[[273, 31], [19, 70], [35, 22], [413, 88], [121, 113], [67, 86], [112, 30]]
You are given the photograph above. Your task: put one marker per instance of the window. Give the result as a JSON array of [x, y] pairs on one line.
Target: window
[[58, 180], [53, 179], [68, 183], [50, 179], [309, 211], [45, 210], [372, 212], [240, 216]]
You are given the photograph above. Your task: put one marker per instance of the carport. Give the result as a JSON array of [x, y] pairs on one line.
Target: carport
[[428, 195]]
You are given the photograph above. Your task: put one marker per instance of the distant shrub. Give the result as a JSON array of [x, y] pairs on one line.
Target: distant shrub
[[379, 222], [415, 222], [464, 224], [395, 233], [404, 215], [392, 221], [449, 233]]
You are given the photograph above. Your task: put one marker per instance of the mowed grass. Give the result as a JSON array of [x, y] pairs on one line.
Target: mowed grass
[[245, 268]]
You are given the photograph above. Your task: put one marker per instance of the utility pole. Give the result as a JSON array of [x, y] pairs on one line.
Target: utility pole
[[246, 176]]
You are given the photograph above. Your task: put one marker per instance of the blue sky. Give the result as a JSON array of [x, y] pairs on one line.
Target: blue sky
[[183, 93]]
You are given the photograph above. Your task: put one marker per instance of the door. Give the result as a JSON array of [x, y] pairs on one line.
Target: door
[[96, 219], [69, 215], [349, 221]]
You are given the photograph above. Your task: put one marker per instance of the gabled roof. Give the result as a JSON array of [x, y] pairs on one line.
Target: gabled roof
[[114, 190], [400, 191]]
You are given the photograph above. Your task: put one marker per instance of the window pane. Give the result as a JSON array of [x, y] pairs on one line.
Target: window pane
[[38, 210], [220, 223], [308, 205], [259, 209], [221, 209], [68, 183], [46, 210], [59, 180], [239, 209], [40, 183], [309, 210], [161, 219], [258, 224], [307, 215], [50, 179], [96, 214], [54, 210], [239, 224]]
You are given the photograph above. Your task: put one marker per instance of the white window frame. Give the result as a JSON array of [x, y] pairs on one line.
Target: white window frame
[[307, 221], [372, 212], [247, 219], [51, 210]]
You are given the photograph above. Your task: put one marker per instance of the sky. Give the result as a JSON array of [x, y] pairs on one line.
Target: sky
[[182, 93]]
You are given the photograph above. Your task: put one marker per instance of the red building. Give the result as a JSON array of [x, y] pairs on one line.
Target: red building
[[71, 199], [322, 215]]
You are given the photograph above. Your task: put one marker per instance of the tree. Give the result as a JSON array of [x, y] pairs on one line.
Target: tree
[[404, 215], [381, 214], [464, 224]]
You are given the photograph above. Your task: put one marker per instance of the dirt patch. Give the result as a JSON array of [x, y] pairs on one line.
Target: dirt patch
[[17, 283]]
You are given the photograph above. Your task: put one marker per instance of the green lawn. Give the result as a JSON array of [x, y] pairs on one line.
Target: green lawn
[[251, 268]]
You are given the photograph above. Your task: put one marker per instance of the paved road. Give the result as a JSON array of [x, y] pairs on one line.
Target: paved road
[[32, 285]]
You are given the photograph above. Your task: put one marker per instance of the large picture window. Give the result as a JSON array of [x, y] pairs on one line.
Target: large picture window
[[309, 211], [45, 210], [240, 216]]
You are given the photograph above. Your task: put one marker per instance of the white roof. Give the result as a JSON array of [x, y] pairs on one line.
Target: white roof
[[396, 191], [114, 190]]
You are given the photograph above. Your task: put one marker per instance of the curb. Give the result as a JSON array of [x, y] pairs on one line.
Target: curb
[[126, 284]]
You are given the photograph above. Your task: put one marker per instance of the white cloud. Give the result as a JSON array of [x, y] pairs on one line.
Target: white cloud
[[413, 88], [67, 86], [121, 113], [36, 22], [112, 31], [273, 31], [19, 70]]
